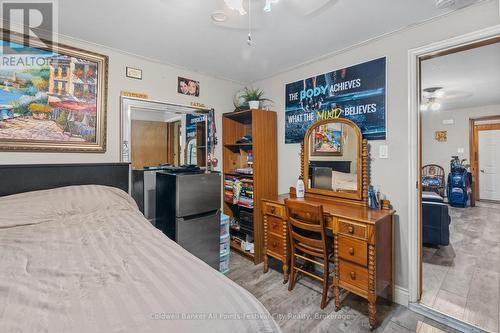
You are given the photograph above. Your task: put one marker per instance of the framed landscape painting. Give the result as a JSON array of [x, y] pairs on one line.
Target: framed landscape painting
[[327, 140], [51, 99]]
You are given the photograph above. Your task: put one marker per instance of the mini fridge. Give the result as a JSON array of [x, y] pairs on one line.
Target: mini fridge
[[188, 212]]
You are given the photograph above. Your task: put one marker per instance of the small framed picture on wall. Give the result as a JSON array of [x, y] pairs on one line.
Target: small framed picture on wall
[[134, 73], [188, 86], [441, 136]]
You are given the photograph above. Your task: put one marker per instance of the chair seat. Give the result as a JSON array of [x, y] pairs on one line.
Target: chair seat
[[431, 197]]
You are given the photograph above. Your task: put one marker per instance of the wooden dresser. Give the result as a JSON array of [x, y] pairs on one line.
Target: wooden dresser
[[335, 170], [363, 247]]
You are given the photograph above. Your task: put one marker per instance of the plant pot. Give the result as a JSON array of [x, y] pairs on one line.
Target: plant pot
[[253, 104]]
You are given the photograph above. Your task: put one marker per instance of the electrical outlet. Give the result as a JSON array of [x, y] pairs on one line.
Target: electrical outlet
[[383, 151]]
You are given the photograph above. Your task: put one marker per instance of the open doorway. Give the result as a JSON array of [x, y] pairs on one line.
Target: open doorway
[[485, 157], [459, 183]]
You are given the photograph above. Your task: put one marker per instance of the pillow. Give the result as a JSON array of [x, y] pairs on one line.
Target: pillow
[[59, 203], [342, 181]]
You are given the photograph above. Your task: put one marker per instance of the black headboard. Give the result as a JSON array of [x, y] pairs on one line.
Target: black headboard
[[341, 166], [32, 177]]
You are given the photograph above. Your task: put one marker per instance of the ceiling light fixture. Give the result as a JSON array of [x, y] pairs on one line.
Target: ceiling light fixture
[[435, 106], [267, 7], [218, 17], [236, 5]]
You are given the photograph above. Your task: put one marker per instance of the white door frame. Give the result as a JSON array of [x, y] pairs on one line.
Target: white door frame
[[414, 142]]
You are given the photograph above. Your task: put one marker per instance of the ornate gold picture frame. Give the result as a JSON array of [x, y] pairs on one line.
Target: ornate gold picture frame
[[52, 99]]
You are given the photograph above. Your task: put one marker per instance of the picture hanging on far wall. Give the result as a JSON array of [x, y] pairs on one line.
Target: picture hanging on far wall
[[357, 93], [51, 98], [441, 136], [188, 87], [327, 140]]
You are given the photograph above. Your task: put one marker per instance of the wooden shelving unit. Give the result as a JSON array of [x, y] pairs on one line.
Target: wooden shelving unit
[[261, 125], [201, 144]]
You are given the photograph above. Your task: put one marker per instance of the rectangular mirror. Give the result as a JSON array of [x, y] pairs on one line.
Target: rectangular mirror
[[156, 133]]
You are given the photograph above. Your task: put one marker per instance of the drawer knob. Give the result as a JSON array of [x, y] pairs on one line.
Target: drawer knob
[[353, 275], [350, 230], [351, 251], [273, 209], [275, 244]]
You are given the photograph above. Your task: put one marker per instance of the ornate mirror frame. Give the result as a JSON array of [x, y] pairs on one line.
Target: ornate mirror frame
[[361, 195]]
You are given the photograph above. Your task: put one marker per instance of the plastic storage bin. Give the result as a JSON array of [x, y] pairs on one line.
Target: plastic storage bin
[[225, 247], [224, 264]]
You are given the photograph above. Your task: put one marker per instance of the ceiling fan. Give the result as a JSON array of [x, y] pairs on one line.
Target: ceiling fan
[[430, 98], [238, 5], [433, 97]]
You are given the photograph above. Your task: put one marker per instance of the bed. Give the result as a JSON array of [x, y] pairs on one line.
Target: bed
[[84, 259]]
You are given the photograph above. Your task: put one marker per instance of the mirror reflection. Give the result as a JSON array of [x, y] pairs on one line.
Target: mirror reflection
[[333, 158], [167, 138]]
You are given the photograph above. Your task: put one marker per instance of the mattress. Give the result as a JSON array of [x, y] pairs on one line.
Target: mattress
[[84, 259]]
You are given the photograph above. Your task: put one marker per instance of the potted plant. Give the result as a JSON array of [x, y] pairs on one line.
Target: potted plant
[[253, 97]]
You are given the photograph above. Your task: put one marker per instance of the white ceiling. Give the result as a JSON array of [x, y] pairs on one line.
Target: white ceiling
[[469, 78], [181, 32]]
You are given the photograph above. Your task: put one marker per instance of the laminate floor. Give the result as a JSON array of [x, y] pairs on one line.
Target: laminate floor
[[299, 311], [463, 279]]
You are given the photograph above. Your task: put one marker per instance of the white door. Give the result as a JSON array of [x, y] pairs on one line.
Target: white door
[[489, 164]]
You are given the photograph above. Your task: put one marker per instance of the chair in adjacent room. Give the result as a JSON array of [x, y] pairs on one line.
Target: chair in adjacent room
[[308, 243], [433, 179]]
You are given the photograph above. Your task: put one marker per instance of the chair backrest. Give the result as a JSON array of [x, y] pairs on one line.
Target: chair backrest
[[306, 227], [433, 170]]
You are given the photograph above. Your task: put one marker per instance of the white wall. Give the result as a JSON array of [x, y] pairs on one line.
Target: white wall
[[159, 82], [435, 152], [390, 174]]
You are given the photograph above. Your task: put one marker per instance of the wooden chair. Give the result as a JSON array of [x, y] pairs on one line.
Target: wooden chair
[[308, 242], [436, 173]]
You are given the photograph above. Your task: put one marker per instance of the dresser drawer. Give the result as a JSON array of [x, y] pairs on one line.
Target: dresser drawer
[[354, 229], [353, 249], [274, 209], [275, 244], [275, 225], [353, 274]]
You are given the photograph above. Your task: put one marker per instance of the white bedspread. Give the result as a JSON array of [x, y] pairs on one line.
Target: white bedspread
[[84, 259]]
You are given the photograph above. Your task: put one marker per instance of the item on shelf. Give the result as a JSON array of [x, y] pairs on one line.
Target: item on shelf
[[254, 97], [239, 101], [245, 171], [245, 220], [245, 198], [245, 139], [229, 189], [250, 157], [234, 224]]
